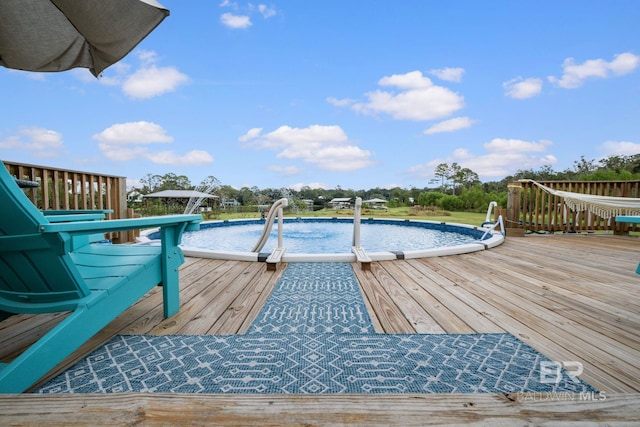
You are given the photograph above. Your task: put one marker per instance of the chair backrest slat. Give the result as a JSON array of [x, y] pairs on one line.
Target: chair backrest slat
[[34, 267]]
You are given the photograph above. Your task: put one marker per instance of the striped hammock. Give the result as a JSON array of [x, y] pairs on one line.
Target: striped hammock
[[603, 206]]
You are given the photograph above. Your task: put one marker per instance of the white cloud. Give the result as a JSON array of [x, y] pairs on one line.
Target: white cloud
[[418, 99], [450, 125], [147, 57], [153, 81], [619, 148], [286, 136], [147, 81], [336, 158], [194, 157], [241, 18], [133, 132], [574, 74], [520, 88], [253, 133], [340, 102], [235, 21], [133, 141], [411, 80], [285, 170], [326, 147], [299, 186], [265, 11], [502, 157], [448, 74], [40, 142], [511, 145], [114, 77]]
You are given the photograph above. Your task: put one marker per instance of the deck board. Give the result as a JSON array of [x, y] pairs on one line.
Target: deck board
[[460, 317], [323, 410], [571, 297]]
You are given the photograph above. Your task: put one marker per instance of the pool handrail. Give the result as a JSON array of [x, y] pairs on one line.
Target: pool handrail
[[356, 222], [276, 209], [488, 217], [499, 222]]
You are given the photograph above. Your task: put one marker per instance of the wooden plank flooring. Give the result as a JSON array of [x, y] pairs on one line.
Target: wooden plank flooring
[[571, 297]]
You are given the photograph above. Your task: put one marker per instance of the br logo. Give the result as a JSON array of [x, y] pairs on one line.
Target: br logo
[[551, 372]]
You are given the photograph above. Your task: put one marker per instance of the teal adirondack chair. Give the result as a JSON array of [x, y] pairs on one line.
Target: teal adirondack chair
[[631, 219], [44, 269]]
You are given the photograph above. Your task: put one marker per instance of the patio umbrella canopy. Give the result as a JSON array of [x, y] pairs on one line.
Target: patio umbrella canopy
[[58, 35]]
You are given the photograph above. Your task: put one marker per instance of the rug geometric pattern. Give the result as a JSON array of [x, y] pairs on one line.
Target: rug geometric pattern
[[314, 298], [314, 335], [311, 363]]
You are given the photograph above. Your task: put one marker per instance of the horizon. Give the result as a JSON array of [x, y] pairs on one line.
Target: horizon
[[326, 94]]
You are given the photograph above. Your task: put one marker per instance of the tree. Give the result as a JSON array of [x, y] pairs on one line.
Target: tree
[[150, 183], [620, 163], [442, 173], [399, 197], [545, 173], [430, 198], [307, 192], [584, 166], [467, 178], [211, 183], [227, 192], [454, 175], [474, 198], [171, 181]]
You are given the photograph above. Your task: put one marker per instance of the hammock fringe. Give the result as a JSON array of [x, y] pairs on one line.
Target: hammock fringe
[[603, 206]]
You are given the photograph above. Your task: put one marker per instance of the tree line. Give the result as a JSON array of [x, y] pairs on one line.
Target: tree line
[[456, 188]]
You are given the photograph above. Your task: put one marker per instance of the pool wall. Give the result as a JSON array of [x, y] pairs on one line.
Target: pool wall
[[493, 239]]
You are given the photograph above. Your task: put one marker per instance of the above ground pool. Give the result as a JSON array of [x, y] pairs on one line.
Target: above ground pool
[[331, 239]]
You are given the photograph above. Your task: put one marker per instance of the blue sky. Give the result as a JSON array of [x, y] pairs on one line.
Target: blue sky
[[351, 93]]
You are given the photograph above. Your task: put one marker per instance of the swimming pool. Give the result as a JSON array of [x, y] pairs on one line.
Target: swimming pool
[[330, 239]]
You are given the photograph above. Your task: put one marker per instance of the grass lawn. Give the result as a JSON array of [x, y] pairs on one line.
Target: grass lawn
[[471, 218]]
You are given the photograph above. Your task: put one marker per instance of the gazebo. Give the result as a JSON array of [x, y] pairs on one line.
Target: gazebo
[[181, 197], [375, 203]]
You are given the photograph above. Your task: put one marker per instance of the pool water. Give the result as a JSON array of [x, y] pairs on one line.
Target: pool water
[[326, 236]]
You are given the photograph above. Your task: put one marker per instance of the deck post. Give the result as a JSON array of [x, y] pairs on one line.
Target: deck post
[[513, 226]]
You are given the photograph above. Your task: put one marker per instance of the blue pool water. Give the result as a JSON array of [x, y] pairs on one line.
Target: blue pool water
[[326, 236]]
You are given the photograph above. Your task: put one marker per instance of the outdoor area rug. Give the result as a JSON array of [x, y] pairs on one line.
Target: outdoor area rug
[[314, 297], [315, 336]]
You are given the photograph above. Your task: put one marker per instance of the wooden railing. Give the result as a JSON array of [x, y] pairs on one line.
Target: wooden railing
[[530, 208], [70, 189]]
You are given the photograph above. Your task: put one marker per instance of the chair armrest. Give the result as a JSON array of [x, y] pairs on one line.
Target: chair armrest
[[75, 211], [23, 183], [628, 219], [63, 215], [191, 223], [75, 217]]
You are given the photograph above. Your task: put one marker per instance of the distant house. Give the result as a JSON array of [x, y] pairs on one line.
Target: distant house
[[308, 204], [134, 196], [340, 203], [230, 203]]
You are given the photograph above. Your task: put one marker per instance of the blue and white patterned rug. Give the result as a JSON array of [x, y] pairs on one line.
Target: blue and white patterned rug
[[314, 335], [312, 363], [314, 298]]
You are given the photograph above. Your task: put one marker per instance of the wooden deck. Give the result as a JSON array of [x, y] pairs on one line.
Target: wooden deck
[[574, 298]]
